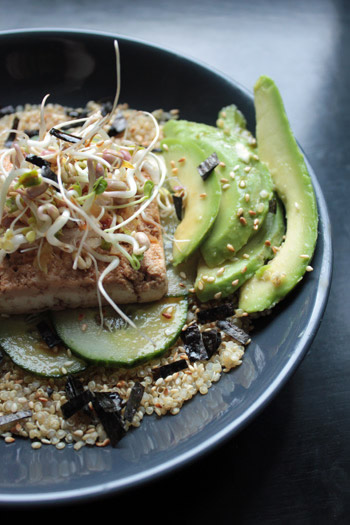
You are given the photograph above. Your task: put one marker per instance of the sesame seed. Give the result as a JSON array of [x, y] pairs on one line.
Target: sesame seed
[[247, 197], [183, 159], [165, 146], [230, 247], [236, 168], [304, 256], [247, 169], [243, 221], [246, 256], [220, 271], [232, 175], [218, 295], [242, 184], [235, 282], [222, 164], [309, 268], [244, 269], [172, 163], [225, 186], [200, 285], [175, 170], [240, 212], [210, 279], [223, 180], [202, 195]]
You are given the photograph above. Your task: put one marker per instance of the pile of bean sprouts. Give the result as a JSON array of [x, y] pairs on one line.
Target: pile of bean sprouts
[[95, 177]]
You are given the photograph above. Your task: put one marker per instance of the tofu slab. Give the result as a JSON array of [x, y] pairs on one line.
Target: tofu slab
[[25, 288]]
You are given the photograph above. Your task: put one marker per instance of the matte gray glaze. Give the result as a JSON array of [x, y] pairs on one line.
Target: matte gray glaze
[[75, 67]]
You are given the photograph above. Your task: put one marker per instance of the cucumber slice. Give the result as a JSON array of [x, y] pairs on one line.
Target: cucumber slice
[[22, 342], [117, 343]]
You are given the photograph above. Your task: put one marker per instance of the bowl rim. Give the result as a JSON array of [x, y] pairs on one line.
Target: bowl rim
[[299, 352]]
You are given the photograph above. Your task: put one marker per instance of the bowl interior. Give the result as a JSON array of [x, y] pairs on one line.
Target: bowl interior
[[75, 67]]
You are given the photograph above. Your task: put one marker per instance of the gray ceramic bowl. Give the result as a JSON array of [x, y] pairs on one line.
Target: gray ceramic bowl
[[77, 66]]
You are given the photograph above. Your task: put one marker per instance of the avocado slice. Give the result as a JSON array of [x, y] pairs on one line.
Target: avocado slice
[[279, 150], [230, 276], [246, 186], [202, 197]]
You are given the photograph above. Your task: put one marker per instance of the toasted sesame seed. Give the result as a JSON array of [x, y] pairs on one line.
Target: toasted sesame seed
[[200, 285], [220, 271], [210, 279], [202, 195], [183, 159], [172, 163], [223, 180], [235, 282], [243, 221], [175, 170], [309, 268], [222, 164], [218, 295], [230, 247]]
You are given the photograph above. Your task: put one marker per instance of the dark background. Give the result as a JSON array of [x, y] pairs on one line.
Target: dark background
[[292, 464]]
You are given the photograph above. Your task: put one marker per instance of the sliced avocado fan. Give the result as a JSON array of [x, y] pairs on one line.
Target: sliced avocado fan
[[278, 148]]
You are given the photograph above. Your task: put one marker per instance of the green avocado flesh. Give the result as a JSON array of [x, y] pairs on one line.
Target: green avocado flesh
[[230, 276], [246, 185], [117, 343], [21, 341], [199, 213], [278, 149]]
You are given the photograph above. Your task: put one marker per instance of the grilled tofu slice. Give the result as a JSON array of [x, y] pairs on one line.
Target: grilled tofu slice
[[29, 285]]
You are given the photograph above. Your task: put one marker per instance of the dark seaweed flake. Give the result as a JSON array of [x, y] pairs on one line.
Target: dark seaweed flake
[[109, 401], [45, 166], [211, 341], [111, 421], [177, 200], [169, 369], [77, 403], [48, 334], [222, 311], [118, 125], [10, 419], [133, 402], [193, 343], [208, 165], [31, 132], [234, 331], [68, 137], [12, 136]]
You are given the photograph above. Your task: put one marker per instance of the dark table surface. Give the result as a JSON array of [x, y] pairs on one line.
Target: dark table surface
[[292, 463]]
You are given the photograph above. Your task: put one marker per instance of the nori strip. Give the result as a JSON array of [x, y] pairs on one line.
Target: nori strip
[[169, 369], [234, 331], [9, 419], [118, 125], [48, 334], [45, 166], [2, 355], [133, 401], [68, 137], [215, 313], [110, 401], [208, 165], [12, 136], [7, 110], [72, 406], [211, 341], [111, 421], [31, 132], [193, 342], [177, 200], [78, 113], [73, 389]]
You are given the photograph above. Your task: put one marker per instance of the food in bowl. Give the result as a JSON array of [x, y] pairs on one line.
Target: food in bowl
[[136, 250]]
